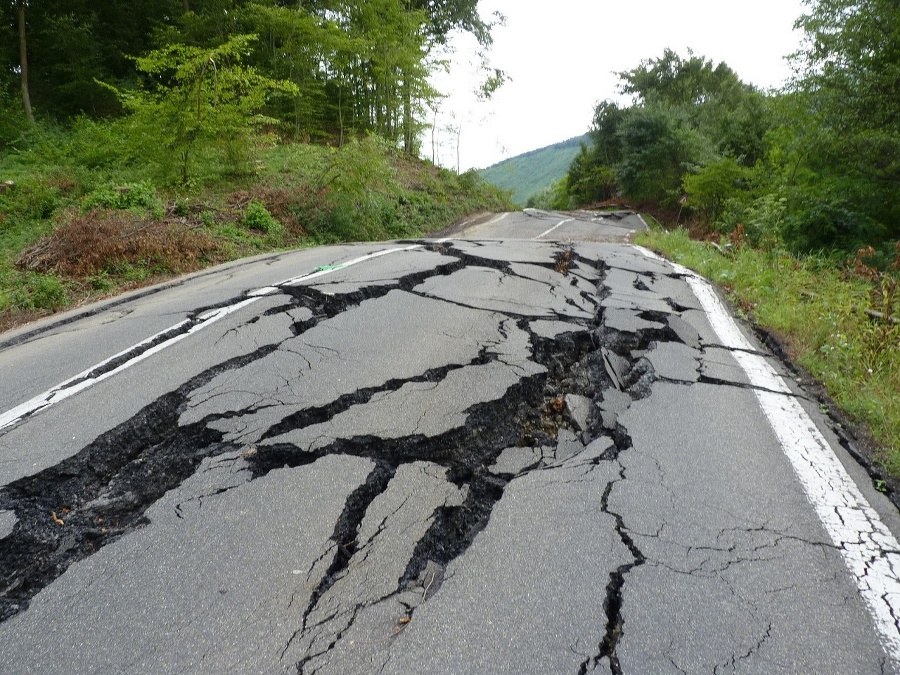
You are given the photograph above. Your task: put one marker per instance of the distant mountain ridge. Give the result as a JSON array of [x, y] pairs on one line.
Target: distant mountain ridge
[[529, 173]]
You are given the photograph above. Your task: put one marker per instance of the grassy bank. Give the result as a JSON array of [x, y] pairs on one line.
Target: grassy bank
[[816, 307], [81, 222]]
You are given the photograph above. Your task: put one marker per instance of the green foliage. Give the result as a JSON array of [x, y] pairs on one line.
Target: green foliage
[[763, 218], [359, 169], [73, 43], [659, 146], [681, 82], [605, 133], [34, 292], [553, 197], [360, 65], [813, 168], [687, 114], [713, 185], [357, 181], [849, 166], [824, 218], [589, 181], [69, 231], [258, 218], [204, 102], [12, 122], [128, 196], [30, 200]]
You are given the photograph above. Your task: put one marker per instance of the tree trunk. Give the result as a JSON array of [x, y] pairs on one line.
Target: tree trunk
[[407, 117], [187, 5], [23, 62]]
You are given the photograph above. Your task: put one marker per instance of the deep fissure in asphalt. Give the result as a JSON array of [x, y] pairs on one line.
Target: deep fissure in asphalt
[[70, 511]]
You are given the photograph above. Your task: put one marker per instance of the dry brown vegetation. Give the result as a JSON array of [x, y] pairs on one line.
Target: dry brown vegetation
[[86, 244]]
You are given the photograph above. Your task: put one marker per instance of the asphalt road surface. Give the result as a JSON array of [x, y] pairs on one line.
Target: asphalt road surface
[[527, 447]]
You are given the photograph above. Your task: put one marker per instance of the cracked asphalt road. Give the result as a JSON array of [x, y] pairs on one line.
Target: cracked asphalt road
[[529, 448]]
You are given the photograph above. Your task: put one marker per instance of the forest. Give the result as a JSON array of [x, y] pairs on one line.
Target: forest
[[316, 68], [150, 138], [812, 167]]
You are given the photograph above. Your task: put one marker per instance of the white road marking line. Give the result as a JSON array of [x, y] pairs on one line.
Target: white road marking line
[[55, 394], [496, 219], [544, 234], [84, 380], [869, 549], [294, 281]]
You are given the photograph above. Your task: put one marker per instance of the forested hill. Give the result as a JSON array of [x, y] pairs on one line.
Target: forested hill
[[531, 172]]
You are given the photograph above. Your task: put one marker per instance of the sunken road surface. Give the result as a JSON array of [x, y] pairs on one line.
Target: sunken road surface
[[459, 457]]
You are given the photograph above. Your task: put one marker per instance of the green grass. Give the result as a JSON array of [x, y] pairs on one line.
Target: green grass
[[818, 310]]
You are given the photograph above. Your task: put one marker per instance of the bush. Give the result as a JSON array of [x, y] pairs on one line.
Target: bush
[[202, 113], [12, 122], [29, 200], [258, 218], [762, 218], [712, 186], [128, 196], [39, 292], [829, 220]]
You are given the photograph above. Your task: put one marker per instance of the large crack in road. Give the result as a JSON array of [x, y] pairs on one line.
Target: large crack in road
[[543, 362], [103, 491]]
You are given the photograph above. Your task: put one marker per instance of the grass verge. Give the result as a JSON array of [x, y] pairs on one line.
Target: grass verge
[[817, 310]]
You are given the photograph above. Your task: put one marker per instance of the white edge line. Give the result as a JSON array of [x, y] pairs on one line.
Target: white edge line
[[544, 234], [35, 403], [869, 549], [62, 391], [293, 281]]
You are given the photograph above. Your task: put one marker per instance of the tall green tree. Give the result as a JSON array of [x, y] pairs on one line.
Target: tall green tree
[[202, 101], [847, 186], [677, 81], [686, 113]]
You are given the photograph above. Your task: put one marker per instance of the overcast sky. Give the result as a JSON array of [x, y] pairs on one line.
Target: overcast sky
[[562, 56]]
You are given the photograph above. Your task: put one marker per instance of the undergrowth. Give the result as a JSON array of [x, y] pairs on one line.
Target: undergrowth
[[82, 220], [839, 321]]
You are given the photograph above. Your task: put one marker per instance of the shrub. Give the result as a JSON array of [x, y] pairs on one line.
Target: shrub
[[128, 196], [713, 185], [762, 218], [39, 292], [258, 218], [29, 200]]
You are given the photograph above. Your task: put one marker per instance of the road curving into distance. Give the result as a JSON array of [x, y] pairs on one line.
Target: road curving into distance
[[526, 446]]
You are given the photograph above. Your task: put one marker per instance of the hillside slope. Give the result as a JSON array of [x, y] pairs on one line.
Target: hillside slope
[[532, 171]]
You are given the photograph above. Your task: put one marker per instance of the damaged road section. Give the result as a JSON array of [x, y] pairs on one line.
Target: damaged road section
[[460, 457]]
